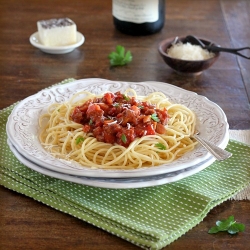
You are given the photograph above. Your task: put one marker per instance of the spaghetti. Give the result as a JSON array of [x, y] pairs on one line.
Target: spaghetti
[[75, 130]]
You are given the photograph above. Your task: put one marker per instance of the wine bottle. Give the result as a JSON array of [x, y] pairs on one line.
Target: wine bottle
[[138, 17]]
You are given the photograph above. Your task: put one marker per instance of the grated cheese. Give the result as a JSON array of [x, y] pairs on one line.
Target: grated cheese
[[188, 51]]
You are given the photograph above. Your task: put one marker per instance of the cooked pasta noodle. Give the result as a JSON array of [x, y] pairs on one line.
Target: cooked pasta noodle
[[65, 139]]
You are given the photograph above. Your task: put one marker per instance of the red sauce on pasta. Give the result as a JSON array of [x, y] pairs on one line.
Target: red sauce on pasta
[[117, 118]]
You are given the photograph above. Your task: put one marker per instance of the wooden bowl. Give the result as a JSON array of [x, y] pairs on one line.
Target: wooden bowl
[[186, 67]]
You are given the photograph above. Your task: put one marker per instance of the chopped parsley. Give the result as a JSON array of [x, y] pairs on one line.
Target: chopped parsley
[[79, 140], [155, 117], [124, 138], [160, 146], [126, 98]]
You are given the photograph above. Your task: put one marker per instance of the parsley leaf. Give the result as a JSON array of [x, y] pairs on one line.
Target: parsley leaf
[[124, 138], [79, 140], [160, 146], [119, 57], [229, 225], [155, 117]]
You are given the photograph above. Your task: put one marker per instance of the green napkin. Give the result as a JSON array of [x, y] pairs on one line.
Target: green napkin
[[150, 217]]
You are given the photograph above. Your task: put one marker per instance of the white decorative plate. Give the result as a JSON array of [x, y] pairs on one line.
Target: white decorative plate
[[22, 126], [116, 183], [34, 40]]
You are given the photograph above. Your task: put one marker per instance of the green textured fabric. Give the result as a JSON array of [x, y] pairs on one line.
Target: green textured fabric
[[150, 217]]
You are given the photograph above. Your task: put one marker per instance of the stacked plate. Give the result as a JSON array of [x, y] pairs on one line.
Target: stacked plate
[[23, 130]]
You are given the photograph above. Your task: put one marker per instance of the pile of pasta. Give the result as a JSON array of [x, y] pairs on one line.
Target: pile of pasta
[[65, 139]]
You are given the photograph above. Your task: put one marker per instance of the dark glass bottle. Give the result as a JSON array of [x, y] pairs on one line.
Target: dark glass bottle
[[138, 17]]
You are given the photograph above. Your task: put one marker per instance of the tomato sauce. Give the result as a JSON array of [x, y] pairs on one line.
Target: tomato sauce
[[117, 118]]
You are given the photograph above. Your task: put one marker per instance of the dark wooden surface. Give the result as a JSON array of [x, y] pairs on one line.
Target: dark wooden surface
[[24, 70]]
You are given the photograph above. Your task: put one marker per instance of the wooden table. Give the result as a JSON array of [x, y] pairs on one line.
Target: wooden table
[[24, 70]]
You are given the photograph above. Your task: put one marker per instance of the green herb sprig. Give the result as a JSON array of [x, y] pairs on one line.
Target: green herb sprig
[[229, 225], [119, 57]]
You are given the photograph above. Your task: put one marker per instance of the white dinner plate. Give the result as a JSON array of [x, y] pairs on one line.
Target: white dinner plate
[[34, 40], [22, 126], [116, 183]]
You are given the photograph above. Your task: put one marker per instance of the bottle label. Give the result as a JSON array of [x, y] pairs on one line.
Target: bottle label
[[136, 11]]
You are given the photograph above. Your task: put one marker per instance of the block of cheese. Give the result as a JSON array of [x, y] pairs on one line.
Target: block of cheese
[[57, 32]]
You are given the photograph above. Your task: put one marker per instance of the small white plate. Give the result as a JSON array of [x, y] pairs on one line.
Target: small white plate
[[34, 40]]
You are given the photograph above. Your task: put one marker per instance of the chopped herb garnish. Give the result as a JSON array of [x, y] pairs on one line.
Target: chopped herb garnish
[[119, 57], [126, 98], [160, 146], [90, 122], [58, 110], [229, 225], [155, 117], [124, 138], [79, 140], [141, 107], [116, 105]]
